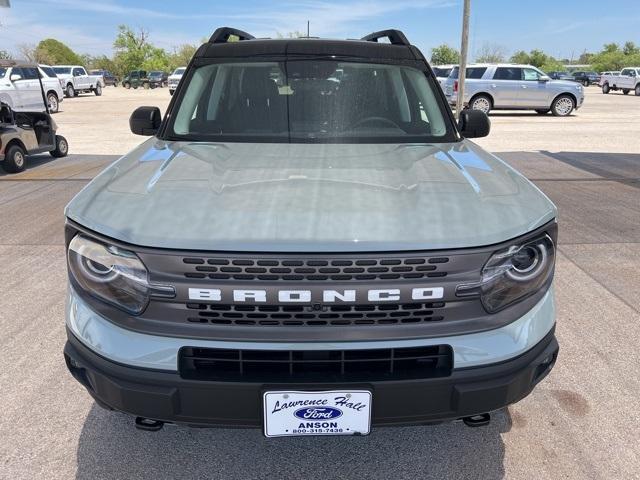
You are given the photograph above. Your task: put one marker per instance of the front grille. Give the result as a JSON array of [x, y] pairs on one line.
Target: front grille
[[314, 366], [320, 315], [316, 270]]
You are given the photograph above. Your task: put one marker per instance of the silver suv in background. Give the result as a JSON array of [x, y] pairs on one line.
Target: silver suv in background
[[515, 87]]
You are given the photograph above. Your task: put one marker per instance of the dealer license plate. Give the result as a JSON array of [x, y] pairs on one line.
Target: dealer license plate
[[335, 412]]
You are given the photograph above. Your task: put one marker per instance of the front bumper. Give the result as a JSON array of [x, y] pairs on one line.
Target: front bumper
[[167, 397], [138, 374]]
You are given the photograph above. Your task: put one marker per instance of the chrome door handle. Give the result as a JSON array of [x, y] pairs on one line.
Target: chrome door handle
[[523, 86]]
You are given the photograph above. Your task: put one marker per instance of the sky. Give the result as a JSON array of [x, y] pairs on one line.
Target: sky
[[562, 28]]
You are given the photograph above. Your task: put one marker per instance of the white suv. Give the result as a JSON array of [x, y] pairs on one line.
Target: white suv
[[20, 87]]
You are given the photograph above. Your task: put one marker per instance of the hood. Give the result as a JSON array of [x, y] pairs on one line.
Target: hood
[[310, 197], [566, 83]]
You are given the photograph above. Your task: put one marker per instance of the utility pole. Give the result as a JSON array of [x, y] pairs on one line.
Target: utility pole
[[464, 51], [308, 29]]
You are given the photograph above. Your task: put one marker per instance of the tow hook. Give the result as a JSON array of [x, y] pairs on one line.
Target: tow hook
[[479, 420], [148, 424]]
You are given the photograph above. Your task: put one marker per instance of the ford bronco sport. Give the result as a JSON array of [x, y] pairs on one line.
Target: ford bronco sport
[[309, 244]]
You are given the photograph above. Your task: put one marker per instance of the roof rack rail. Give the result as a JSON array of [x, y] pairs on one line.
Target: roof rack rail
[[396, 37], [222, 34]]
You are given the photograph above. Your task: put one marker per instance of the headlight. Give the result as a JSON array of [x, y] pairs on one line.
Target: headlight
[[513, 274], [112, 274]]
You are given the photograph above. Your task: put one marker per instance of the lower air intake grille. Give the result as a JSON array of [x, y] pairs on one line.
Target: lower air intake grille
[[313, 366]]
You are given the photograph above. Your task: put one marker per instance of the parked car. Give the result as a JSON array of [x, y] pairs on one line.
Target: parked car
[[174, 79], [107, 77], [442, 73], [559, 75], [628, 80], [53, 87], [515, 87], [136, 79], [76, 80], [283, 257], [158, 79], [586, 78], [30, 130], [20, 86]]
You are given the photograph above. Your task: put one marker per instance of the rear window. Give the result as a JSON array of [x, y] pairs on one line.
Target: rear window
[[442, 72], [62, 70], [48, 71], [472, 72], [310, 101]]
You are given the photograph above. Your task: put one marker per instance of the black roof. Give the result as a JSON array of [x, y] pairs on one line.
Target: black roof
[[399, 47]]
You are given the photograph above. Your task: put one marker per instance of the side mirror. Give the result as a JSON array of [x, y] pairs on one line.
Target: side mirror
[[474, 124], [15, 77], [145, 121], [544, 78]]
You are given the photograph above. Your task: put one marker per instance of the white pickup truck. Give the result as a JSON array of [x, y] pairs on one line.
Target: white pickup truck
[[627, 80], [76, 80]]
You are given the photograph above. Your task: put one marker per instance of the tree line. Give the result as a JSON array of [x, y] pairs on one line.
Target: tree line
[[612, 57], [132, 51]]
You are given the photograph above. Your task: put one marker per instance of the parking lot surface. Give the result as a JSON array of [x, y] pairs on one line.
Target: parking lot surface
[[581, 422]]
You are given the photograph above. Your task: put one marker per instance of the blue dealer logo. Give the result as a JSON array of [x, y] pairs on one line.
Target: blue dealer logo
[[318, 413]]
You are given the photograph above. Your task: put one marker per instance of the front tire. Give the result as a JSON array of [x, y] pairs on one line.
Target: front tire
[[482, 103], [585, 83], [563, 106], [126, 85], [606, 88], [62, 147], [15, 159], [70, 92], [98, 90], [625, 91], [54, 105]]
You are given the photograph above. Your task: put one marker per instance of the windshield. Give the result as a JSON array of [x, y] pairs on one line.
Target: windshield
[[179, 71], [310, 101], [62, 70], [155, 74]]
